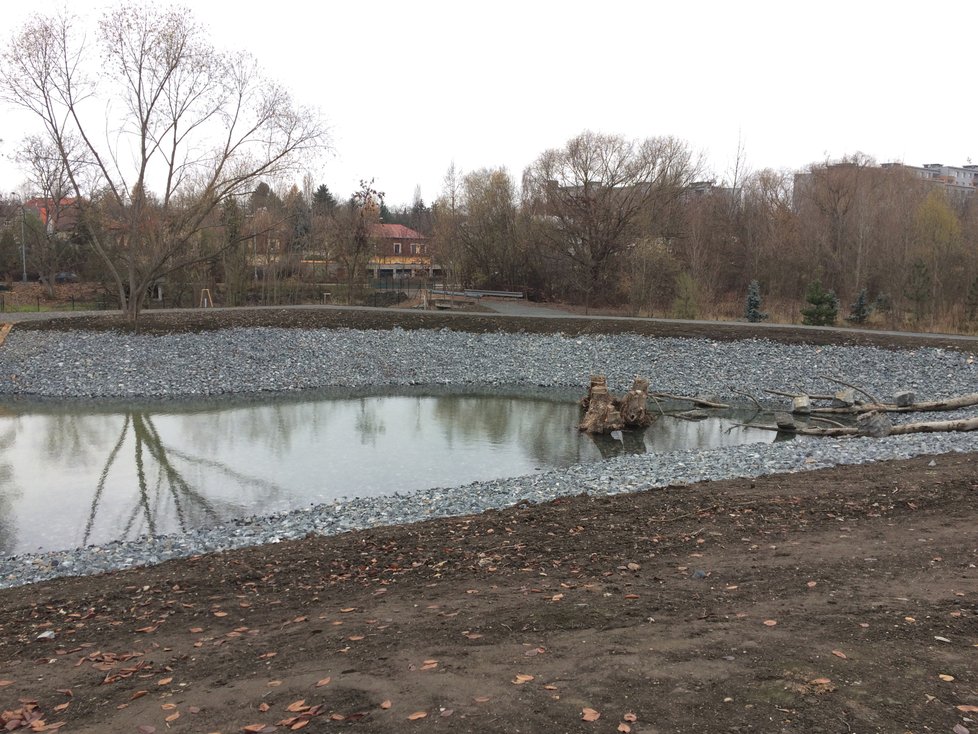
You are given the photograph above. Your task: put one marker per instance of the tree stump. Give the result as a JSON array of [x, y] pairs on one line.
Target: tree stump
[[595, 381], [602, 416], [634, 407]]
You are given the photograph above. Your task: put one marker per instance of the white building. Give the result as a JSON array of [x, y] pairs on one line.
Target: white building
[[957, 179]]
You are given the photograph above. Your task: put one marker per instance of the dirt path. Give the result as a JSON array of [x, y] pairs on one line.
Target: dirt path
[[831, 601]]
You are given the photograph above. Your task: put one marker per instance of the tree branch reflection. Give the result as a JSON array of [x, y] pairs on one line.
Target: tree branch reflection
[[172, 493]]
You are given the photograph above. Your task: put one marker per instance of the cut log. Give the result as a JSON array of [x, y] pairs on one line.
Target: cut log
[[801, 404], [602, 417], [634, 408]]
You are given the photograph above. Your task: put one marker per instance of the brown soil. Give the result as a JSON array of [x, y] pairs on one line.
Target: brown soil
[[842, 600]]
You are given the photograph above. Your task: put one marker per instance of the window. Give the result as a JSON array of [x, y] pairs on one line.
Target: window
[[397, 248], [414, 249]]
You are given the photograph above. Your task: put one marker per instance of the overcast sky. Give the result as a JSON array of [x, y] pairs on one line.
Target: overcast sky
[[409, 87]]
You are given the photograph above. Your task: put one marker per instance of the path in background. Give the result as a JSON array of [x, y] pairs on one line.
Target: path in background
[[520, 307]]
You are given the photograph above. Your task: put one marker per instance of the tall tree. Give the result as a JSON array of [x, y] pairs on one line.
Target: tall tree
[[590, 196], [53, 234], [352, 234], [447, 216], [188, 126], [488, 233]]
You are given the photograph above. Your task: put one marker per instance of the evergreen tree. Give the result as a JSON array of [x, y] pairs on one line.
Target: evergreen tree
[[686, 303], [323, 201], [919, 288], [753, 311], [860, 310], [824, 308]]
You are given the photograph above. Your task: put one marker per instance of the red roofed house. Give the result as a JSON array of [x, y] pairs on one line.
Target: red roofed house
[[401, 253], [62, 216]]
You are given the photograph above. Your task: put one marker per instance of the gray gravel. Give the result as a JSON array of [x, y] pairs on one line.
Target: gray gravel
[[38, 365]]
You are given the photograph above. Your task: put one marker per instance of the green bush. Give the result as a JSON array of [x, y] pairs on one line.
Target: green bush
[[860, 310], [753, 310], [824, 308]]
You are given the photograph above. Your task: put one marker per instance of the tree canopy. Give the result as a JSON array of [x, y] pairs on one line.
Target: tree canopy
[[156, 129]]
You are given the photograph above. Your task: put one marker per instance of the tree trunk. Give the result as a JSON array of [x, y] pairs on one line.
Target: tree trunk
[[602, 416], [634, 406], [595, 381]]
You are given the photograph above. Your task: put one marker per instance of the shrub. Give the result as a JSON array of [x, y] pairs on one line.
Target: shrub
[[860, 310], [824, 308], [753, 311]]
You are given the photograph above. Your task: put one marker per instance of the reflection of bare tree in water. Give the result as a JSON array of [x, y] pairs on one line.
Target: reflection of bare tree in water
[[159, 479], [7, 526], [369, 424]]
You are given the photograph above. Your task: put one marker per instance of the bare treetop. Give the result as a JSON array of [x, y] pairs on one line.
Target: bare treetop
[[168, 127]]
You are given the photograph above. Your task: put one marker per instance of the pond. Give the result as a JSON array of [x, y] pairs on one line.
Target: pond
[[79, 474]]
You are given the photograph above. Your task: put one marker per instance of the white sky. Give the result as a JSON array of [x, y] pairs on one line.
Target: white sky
[[408, 87]]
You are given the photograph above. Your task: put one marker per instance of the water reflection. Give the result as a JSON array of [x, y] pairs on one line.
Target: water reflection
[[82, 474]]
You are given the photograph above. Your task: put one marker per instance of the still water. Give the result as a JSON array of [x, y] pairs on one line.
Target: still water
[[77, 474]]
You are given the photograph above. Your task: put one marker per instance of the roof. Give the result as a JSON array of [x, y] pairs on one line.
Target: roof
[[395, 232]]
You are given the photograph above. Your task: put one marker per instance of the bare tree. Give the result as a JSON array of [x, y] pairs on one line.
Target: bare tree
[[590, 196], [353, 240], [185, 128], [52, 234], [447, 213]]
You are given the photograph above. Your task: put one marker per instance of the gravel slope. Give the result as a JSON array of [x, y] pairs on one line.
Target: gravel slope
[[80, 364]]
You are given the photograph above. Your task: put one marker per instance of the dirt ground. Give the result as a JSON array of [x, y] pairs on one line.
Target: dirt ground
[[842, 600]]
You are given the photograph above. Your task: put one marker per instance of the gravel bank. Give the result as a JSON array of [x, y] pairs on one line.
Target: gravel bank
[[89, 365]]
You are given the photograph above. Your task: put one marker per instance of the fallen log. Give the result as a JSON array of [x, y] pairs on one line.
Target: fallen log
[[962, 426], [956, 403]]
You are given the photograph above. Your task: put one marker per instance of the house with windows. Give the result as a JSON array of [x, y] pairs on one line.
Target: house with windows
[[401, 253]]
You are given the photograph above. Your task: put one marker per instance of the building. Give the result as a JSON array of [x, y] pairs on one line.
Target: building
[[61, 217], [401, 253], [961, 180]]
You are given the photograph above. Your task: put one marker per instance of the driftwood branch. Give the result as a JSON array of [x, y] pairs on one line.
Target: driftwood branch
[[695, 401], [872, 398], [746, 395], [956, 403], [964, 425], [826, 420], [784, 394]]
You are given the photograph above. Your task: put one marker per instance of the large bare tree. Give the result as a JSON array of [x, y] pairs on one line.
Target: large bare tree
[[591, 196], [53, 235], [168, 127]]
